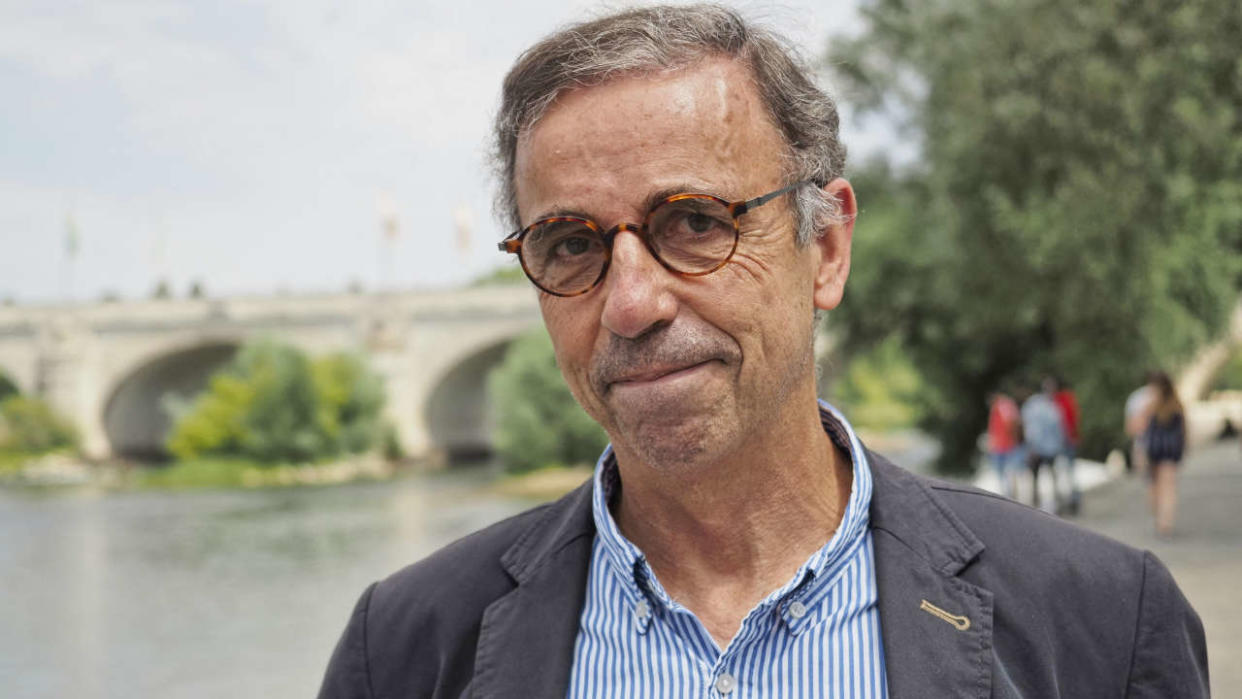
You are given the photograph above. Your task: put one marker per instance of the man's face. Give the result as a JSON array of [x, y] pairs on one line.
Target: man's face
[[678, 369]]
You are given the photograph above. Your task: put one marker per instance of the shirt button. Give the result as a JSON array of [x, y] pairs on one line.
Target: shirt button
[[641, 610], [797, 610], [725, 683]]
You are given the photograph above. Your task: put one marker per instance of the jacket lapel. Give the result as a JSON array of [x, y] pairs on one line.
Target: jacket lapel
[[936, 627], [526, 638]]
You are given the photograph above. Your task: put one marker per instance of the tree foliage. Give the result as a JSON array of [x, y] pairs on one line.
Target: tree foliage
[[538, 421], [273, 404], [879, 389], [7, 386], [1077, 207], [29, 425]]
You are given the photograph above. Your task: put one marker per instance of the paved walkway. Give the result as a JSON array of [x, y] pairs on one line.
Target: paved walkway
[[1205, 553]]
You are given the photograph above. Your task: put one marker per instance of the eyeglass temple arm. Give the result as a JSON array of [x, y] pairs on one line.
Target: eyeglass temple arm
[[760, 201], [510, 243]]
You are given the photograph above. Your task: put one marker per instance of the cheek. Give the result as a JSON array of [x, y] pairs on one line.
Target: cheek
[[572, 339], [769, 308]]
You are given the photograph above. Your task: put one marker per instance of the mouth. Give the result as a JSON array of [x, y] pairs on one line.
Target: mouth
[[657, 375]]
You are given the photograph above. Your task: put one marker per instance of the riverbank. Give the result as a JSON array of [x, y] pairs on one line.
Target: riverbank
[[548, 483], [67, 470]]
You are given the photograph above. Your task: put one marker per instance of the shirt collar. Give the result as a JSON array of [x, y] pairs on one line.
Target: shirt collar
[[800, 600]]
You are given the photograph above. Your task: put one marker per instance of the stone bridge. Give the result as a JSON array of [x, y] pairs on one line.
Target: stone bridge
[[111, 367]]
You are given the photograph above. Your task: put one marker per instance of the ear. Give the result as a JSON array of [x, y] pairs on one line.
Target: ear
[[833, 247]]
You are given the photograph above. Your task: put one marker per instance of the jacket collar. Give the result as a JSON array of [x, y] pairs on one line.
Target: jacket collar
[[936, 627]]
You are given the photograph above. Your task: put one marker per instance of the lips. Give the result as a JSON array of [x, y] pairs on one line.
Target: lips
[[653, 373], [631, 362]]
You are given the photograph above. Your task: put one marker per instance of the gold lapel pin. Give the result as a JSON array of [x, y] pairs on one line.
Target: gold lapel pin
[[960, 623]]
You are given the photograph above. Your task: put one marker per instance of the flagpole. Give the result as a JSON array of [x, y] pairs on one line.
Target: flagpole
[[72, 243]]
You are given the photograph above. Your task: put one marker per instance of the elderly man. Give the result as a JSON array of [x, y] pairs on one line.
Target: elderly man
[[674, 179]]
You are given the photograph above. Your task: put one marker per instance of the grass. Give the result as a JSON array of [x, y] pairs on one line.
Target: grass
[[226, 472], [196, 473], [12, 461]]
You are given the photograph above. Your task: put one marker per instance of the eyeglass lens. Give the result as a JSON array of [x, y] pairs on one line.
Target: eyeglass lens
[[692, 234]]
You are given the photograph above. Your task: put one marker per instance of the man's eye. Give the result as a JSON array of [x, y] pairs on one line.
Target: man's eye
[[571, 247], [695, 224], [700, 223]]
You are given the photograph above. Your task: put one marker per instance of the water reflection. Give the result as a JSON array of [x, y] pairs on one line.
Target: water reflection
[[208, 594]]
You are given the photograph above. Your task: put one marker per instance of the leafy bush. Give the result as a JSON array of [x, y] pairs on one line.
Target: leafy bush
[[273, 404], [880, 389], [30, 425], [7, 387], [539, 423], [351, 399]]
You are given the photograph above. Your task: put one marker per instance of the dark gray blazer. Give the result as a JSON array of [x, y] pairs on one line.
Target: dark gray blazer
[[1025, 605]]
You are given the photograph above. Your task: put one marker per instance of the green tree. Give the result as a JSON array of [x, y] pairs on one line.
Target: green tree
[[351, 401], [879, 389], [30, 425], [539, 423], [273, 404], [1077, 207], [7, 386], [215, 423]]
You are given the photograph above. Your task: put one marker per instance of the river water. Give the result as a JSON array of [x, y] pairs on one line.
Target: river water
[[210, 594], [207, 594]]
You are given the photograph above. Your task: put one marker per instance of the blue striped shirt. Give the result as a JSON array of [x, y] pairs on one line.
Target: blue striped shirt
[[816, 636]]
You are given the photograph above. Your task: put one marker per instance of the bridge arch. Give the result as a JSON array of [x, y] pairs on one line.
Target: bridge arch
[[136, 414], [460, 419]]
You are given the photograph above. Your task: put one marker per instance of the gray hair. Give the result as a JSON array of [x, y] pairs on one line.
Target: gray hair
[[662, 37]]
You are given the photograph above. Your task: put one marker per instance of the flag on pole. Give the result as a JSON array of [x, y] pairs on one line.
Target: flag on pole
[[71, 237], [392, 227], [463, 222]]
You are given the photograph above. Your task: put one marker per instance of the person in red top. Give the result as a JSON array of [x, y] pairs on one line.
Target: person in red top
[[1067, 404], [1004, 444]]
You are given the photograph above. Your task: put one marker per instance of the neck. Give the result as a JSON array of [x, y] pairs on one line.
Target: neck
[[724, 534]]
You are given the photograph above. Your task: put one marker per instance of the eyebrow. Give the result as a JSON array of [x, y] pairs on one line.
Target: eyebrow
[[649, 202]]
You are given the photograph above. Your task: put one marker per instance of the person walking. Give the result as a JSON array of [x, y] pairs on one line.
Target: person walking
[[1005, 442], [1045, 440], [1165, 438], [1137, 413], [1067, 405]]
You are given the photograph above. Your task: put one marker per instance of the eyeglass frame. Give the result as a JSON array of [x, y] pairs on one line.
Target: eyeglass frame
[[512, 243]]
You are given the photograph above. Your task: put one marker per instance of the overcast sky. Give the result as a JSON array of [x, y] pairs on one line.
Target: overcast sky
[[258, 146]]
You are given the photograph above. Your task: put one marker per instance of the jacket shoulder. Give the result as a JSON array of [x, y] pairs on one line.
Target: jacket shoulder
[[415, 632], [473, 561], [1039, 553], [1088, 600], [438, 602]]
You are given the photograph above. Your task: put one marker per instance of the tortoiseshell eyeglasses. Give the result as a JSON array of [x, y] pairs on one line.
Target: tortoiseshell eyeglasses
[[690, 234]]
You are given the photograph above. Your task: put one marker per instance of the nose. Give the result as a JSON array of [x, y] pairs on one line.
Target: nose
[[638, 293]]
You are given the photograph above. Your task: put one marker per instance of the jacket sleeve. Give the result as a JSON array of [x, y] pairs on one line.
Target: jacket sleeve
[[1170, 653], [349, 674]]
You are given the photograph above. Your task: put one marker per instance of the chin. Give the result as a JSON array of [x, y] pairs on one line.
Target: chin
[[681, 445]]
